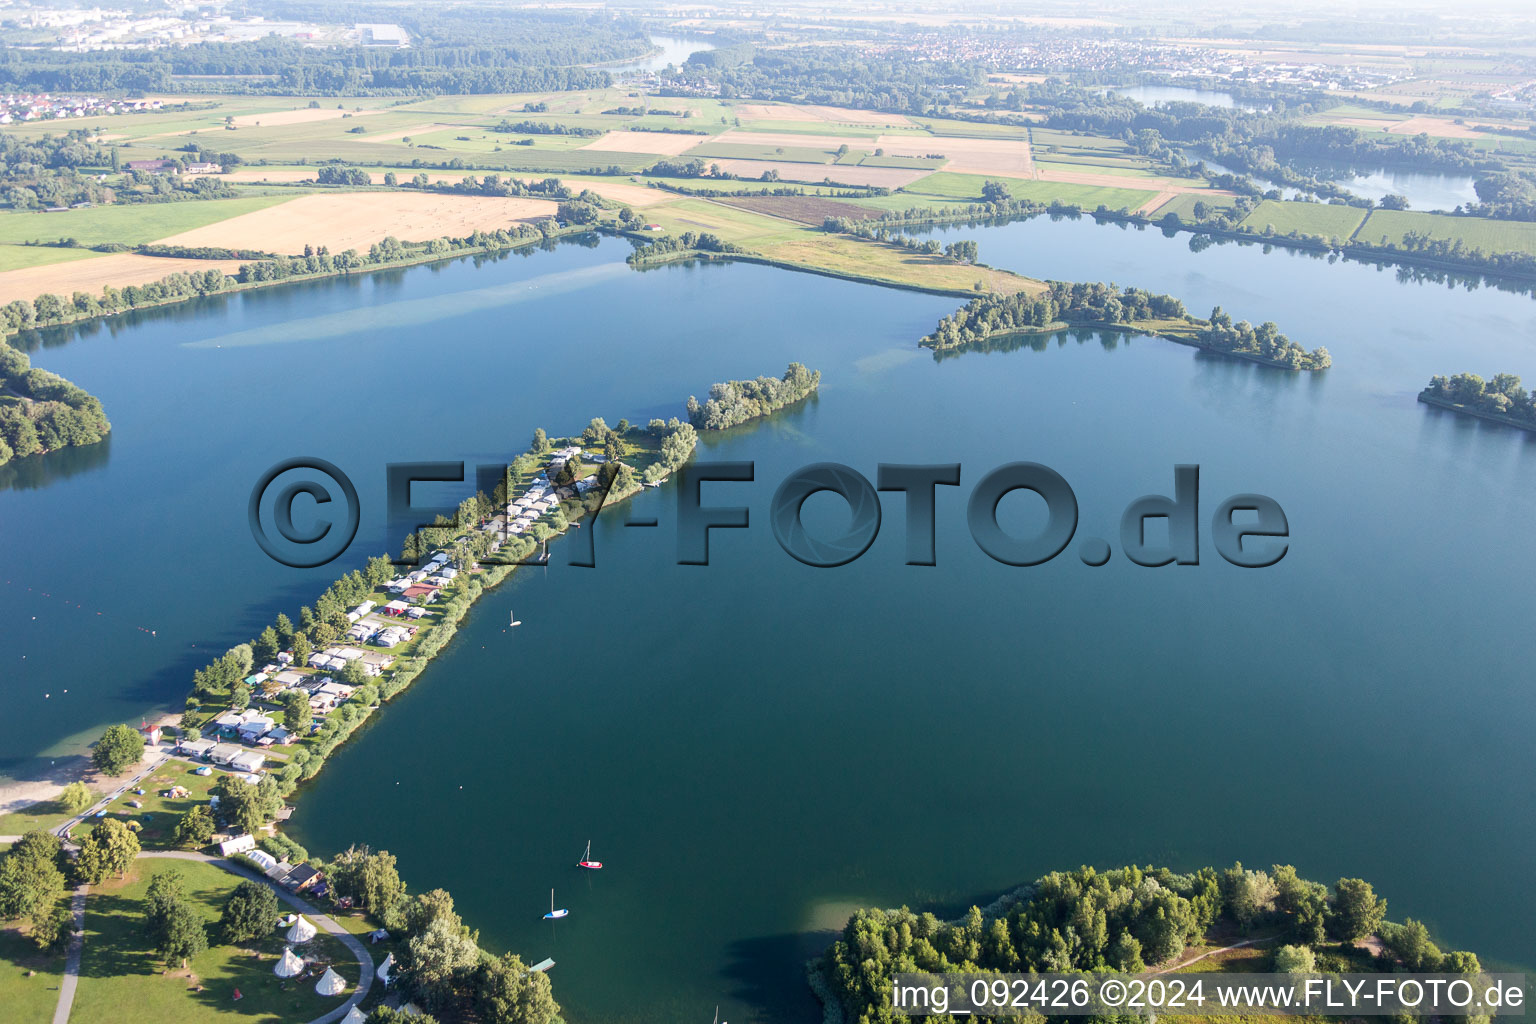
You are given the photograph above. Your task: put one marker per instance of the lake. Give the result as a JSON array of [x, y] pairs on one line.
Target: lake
[[1153, 95], [754, 747], [1424, 190], [674, 50]]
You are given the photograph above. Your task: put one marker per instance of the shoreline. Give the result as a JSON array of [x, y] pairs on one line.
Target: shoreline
[[1466, 410]]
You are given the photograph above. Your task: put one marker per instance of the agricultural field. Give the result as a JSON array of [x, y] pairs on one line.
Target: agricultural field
[[1184, 205], [1308, 218], [810, 210], [123, 981], [355, 220], [947, 185], [1384, 226], [129, 224]]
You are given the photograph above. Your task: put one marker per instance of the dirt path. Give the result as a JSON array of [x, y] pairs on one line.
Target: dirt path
[[1213, 952]]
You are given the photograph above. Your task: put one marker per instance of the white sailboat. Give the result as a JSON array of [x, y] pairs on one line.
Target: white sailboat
[[553, 913], [717, 1016], [515, 620]]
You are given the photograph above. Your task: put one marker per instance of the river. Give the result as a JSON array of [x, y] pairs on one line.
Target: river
[[756, 746]]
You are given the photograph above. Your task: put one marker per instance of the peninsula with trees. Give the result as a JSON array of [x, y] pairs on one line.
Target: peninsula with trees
[[1503, 399], [1130, 919], [1062, 305]]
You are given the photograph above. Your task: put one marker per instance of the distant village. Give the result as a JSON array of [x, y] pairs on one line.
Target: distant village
[[16, 108]]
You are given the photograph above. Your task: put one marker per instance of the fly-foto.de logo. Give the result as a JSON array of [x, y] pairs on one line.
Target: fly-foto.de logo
[[1247, 530]]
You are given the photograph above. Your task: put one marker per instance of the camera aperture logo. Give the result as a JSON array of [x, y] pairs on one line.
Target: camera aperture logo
[[1248, 530]]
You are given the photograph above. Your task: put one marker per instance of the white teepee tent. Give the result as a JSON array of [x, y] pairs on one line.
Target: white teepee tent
[[330, 984], [289, 965], [384, 968], [302, 931], [354, 1016]]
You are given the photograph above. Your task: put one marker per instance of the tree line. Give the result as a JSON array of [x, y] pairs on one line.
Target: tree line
[[455, 49], [1126, 919], [671, 246], [733, 402]]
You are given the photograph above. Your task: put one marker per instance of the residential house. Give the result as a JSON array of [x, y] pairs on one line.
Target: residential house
[[248, 761], [223, 753], [239, 844], [195, 748], [253, 729]]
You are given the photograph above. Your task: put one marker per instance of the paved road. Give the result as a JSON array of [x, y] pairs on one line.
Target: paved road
[[322, 921], [72, 957]]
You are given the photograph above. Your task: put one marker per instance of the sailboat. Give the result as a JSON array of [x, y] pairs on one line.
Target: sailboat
[[553, 913], [515, 620], [717, 1016], [587, 861]]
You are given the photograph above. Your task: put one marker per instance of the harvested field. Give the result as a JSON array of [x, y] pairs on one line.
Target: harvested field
[[303, 115], [805, 209], [619, 192], [658, 143], [887, 177], [91, 275], [1009, 157], [793, 140], [807, 112], [348, 220], [1156, 201], [1443, 127]]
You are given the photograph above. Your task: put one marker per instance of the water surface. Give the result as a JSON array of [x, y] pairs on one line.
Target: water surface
[[756, 746]]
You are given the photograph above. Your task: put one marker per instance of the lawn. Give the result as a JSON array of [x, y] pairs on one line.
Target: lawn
[[27, 1000], [1475, 232], [159, 813], [123, 981], [47, 815], [1308, 218]]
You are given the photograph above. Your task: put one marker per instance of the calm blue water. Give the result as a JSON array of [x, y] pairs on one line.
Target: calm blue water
[[674, 50], [756, 746], [1153, 95], [1423, 190]]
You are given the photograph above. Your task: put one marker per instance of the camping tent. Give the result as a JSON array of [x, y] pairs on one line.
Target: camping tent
[[383, 972], [331, 984], [289, 965], [302, 930], [354, 1016]]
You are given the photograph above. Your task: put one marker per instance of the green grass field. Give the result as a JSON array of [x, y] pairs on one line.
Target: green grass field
[[23, 999], [947, 185], [122, 981], [159, 813], [1308, 218], [129, 223], [1184, 205], [47, 815], [1475, 232]]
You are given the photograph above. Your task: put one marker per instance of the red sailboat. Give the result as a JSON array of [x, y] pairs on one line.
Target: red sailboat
[[587, 861]]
